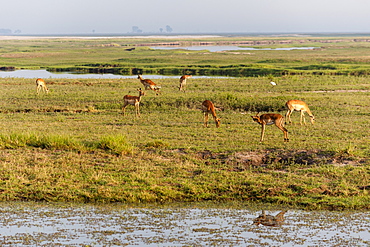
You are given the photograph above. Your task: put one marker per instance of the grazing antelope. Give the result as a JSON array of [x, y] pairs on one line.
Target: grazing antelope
[[269, 119], [133, 100], [208, 107], [41, 85], [149, 84], [183, 82], [298, 105]]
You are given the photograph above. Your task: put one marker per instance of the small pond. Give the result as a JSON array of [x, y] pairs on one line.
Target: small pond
[[219, 48], [41, 224]]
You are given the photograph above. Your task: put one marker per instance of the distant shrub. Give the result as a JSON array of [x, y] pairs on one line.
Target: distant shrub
[[317, 67]]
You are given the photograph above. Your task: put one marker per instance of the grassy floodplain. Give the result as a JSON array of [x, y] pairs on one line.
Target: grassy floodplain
[[74, 144], [332, 55]]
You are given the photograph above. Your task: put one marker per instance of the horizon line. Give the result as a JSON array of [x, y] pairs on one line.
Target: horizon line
[[190, 33]]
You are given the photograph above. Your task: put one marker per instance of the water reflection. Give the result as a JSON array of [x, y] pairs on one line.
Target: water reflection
[[41, 224], [46, 74]]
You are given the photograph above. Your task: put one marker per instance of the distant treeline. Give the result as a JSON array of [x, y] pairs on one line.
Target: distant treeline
[[213, 70]]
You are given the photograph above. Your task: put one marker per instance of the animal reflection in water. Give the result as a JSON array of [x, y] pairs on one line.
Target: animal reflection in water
[[269, 220]]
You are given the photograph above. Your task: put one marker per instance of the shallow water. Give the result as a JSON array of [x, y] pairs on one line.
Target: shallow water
[[219, 48], [46, 74], [40, 224]]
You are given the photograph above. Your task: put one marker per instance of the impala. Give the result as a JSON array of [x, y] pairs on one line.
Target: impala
[[183, 82], [269, 119], [209, 108], [41, 85], [298, 105], [149, 84], [133, 100]]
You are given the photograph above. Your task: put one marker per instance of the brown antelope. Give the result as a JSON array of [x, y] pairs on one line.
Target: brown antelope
[[183, 82], [269, 119], [208, 107], [133, 100], [298, 105], [149, 84], [41, 85]]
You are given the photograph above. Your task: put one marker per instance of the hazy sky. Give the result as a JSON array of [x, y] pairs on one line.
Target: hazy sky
[[184, 16]]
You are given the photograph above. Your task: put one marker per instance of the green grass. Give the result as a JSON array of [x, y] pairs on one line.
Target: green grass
[[74, 144]]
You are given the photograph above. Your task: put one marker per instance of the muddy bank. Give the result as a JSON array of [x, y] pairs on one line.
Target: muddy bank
[[244, 160]]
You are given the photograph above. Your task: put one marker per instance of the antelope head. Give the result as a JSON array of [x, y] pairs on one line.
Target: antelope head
[[256, 118], [142, 93], [218, 122], [312, 118]]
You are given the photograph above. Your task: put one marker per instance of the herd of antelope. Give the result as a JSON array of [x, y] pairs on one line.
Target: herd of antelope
[[209, 108]]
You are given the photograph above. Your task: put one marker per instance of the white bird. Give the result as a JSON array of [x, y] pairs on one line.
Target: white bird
[[273, 83]]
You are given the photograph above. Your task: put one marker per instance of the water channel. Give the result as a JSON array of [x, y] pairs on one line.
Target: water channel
[[46, 74], [42, 224]]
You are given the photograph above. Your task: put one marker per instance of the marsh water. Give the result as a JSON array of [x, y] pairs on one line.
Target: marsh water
[[69, 75], [46, 74], [220, 48], [42, 224]]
